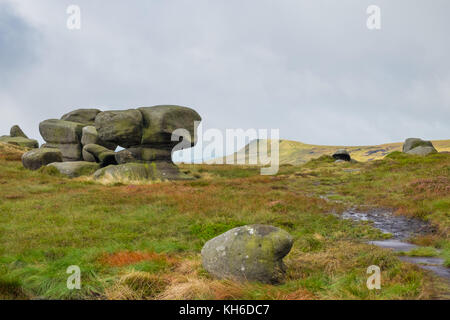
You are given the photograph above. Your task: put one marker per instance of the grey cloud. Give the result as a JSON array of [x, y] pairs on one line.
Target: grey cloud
[[309, 68]]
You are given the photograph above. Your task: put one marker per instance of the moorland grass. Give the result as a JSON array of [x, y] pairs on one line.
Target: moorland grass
[[144, 241]]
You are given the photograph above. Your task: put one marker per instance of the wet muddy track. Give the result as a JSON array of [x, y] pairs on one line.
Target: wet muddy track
[[401, 228]]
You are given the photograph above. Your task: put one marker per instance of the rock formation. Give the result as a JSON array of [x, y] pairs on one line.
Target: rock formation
[[248, 253], [91, 136]]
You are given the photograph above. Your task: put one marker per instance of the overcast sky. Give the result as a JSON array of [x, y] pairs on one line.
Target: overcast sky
[[309, 68]]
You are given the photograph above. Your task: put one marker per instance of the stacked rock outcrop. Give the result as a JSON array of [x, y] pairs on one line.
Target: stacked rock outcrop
[[148, 136]]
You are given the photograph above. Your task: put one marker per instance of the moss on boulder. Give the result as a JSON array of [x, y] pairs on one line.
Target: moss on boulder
[[412, 143], [84, 116], [123, 128], [90, 136], [100, 154], [140, 172], [20, 141], [60, 132], [37, 158], [161, 121], [17, 132], [75, 169], [422, 150], [248, 253]]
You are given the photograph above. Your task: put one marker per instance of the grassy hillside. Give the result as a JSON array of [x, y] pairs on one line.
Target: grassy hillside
[[293, 152], [144, 241]]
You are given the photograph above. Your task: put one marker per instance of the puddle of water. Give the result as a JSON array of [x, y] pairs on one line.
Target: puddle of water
[[401, 228], [395, 245]]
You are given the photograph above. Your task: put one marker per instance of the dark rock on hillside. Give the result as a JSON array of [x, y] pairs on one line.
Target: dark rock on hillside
[[342, 154]]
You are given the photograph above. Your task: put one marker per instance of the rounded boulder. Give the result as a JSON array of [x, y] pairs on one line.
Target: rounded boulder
[[252, 253]]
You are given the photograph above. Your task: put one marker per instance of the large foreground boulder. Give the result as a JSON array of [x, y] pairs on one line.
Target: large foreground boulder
[[418, 147], [252, 253], [37, 158], [20, 141], [75, 169]]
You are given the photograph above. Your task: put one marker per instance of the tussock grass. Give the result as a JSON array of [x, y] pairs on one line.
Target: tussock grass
[[142, 241]]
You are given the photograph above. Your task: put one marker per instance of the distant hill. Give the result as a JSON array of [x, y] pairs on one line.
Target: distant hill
[[294, 152]]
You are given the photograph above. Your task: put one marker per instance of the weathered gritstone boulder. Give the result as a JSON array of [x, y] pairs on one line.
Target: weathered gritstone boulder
[[161, 121], [100, 154], [252, 253], [123, 128], [64, 135], [17, 132], [132, 172], [20, 141], [37, 158], [75, 169], [125, 156], [70, 151], [342, 154], [423, 147], [90, 136], [60, 132], [84, 116], [141, 154], [422, 150]]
